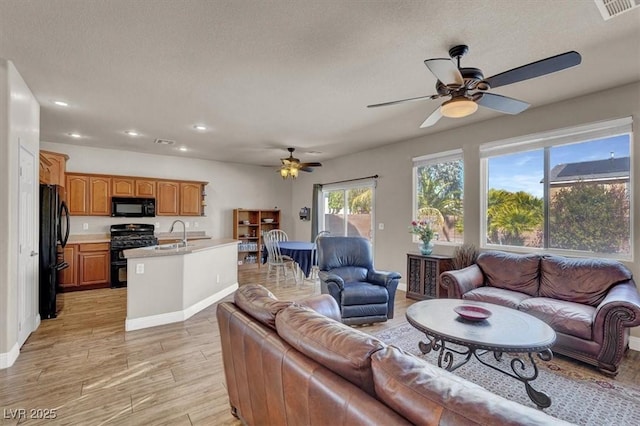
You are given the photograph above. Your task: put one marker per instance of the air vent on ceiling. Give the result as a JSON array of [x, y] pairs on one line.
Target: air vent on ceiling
[[164, 142], [611, 8]]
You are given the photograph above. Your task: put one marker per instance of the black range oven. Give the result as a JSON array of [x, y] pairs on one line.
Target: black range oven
[[124, 237]]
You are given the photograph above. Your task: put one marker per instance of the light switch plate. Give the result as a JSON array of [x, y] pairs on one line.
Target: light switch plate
[[139, 268], [85, 226], [381, 226]]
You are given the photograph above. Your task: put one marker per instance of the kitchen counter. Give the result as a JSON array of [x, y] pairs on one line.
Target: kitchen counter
[[88, 238], [168, 284], [192, 246]]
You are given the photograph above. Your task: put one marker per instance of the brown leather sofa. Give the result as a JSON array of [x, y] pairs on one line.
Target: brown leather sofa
[[295, 363], [590, 303]]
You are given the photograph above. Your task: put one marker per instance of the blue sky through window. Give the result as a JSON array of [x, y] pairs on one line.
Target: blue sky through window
[[524, 170]]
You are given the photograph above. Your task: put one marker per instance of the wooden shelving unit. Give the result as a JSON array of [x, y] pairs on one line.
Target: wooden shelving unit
[[248, 227]]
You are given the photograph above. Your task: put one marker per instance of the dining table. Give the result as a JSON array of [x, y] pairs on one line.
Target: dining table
[[300, 251]]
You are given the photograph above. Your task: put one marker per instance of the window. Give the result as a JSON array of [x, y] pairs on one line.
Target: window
[[438, 194], [567, 191], [347, 209]]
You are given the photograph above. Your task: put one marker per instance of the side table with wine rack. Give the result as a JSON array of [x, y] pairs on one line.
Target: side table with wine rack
[[423, 275]]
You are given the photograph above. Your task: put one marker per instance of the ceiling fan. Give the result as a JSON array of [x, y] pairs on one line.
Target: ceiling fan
[[291, 166], [467, 87]]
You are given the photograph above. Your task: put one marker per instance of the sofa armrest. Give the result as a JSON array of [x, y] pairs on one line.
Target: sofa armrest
[[619, 310], [383, 278], [620, 307], [460, 281]]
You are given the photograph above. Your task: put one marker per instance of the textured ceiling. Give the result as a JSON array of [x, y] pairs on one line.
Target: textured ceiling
[[264, 75]]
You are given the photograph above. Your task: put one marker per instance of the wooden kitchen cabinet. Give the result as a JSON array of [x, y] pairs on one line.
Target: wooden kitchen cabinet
[[423, 275], [123, 187], [53, 166], [93, 264], [132, 187], [99, 196], [88, 195], [77, 187], [145, 188], [167, 200], [68, 278], [190, 199], [89, 267]]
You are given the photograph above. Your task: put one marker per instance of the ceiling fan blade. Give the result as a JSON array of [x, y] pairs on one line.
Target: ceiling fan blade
[[445, 70], [535, 69], [307, 165], [501, 103], [432, 119], [419, 98], [306, 169]]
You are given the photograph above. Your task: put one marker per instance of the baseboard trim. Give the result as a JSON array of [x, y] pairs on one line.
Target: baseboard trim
[[178, 316], [402, 287], [8, 358], [634, 343]]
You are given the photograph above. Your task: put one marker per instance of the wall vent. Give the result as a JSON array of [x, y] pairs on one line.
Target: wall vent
[[610, 8], [164, 142]]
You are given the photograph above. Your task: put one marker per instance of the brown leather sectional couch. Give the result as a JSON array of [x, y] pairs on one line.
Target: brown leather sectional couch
[[590, 303], [295, 363]]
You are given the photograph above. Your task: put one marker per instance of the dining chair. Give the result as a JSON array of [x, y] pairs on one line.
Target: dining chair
[[275, 259], [314, 254]]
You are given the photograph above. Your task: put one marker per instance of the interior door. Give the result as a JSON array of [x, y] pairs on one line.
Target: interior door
[[28, 246]]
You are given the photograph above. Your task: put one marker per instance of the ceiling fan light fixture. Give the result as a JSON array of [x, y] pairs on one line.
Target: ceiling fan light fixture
[[458, 108], [288, 172]]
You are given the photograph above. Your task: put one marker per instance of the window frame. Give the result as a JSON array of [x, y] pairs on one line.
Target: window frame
[[550, 139], [427, 160]]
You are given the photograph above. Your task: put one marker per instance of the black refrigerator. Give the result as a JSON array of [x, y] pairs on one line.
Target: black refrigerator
[[54, 230]]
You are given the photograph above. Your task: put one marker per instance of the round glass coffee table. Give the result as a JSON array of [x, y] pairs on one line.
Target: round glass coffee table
[[506, 330]]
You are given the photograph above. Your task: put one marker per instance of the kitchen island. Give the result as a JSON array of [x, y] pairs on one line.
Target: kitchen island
[[169, 283]]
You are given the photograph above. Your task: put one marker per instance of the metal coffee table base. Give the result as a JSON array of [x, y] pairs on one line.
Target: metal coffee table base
[[518, 365]]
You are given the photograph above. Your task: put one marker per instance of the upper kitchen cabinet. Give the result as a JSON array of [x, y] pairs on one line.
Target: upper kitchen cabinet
[[191, 199], [77, 187], [99, 196], [167, 201], [52, 168], [88, 195], [132, 187]]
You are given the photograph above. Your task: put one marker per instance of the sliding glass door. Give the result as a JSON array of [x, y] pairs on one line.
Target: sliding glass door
[[348, 210]]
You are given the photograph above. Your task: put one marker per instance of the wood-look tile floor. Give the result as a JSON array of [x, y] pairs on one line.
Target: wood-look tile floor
[[90, 371]]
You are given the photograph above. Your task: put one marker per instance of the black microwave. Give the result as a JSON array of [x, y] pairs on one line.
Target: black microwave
[[133, 207]]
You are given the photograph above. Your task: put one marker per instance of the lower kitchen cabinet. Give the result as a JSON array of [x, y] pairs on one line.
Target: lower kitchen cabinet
[[423, 275], [89, 267]]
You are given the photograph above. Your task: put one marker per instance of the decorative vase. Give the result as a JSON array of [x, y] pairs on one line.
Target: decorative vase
[[426, 248]]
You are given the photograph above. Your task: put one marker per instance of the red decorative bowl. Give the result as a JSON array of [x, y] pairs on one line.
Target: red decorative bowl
[[472, 312]]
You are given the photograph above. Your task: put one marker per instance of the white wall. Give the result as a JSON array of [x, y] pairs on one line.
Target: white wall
[[230, 186], [393, 164], [19, 126]]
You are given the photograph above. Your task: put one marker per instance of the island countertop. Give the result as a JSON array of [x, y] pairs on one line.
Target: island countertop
[[192, 247]]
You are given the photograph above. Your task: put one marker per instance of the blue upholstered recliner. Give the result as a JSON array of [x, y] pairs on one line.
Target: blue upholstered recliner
[[346, 272]]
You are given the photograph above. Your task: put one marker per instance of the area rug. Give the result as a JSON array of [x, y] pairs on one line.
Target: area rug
[[579, 394]]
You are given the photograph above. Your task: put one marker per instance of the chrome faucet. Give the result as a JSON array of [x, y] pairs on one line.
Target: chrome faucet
[[184, 231]]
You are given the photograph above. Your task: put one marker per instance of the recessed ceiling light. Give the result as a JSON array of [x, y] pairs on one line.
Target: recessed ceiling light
[[183, 148], [61, 103], [74, 135], [132, 133], [200, 127]]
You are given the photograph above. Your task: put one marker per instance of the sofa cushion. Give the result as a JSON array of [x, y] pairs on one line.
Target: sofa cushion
[[565, 317], [498, 296], [428, 395], [584, 281], [340, 348], [260, 303], [517, 272]]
